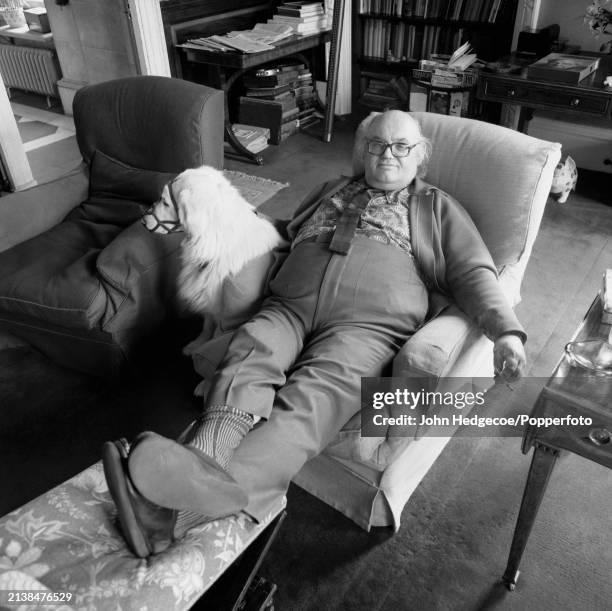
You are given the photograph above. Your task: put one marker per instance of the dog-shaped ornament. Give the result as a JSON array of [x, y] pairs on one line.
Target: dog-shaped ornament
[[564, 179]]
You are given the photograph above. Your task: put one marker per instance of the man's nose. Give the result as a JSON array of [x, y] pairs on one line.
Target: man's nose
[[387, 152]]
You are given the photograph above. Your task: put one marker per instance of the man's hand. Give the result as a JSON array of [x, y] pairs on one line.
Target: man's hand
[[509, 357]]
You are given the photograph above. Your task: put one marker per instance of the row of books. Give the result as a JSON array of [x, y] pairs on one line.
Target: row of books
[[280, 98], [384, 91], [453, 10], [407, 42], [305, 18]]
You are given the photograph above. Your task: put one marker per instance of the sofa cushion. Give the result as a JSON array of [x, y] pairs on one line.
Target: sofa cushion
[[53, 276]]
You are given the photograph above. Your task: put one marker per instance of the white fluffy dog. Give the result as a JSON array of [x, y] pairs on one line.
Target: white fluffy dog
[[223, 232]]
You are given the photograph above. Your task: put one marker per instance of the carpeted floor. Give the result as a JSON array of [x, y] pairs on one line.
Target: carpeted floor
[[456, 529]]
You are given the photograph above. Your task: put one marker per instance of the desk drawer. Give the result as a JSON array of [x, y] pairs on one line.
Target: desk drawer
[[546, 97], [592, 441]]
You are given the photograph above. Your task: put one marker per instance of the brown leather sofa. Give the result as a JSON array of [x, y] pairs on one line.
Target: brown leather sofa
[[81, 279]]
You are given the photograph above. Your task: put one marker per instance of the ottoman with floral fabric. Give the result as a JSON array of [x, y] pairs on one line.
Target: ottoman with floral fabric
[[66, 546]]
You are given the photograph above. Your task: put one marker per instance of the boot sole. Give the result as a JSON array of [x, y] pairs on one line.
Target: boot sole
[[113, 460]]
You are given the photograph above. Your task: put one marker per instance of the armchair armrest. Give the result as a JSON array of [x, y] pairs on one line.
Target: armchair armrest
[[434, 349], [26, 214]]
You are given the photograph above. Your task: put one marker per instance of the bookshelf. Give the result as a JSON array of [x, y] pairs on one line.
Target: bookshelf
[[391, 36]]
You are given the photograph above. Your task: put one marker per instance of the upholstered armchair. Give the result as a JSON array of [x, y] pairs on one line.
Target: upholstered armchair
[[82, 280], [502, 178]]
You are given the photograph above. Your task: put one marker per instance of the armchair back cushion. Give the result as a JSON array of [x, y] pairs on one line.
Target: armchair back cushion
[[152, 123], [500, 176]]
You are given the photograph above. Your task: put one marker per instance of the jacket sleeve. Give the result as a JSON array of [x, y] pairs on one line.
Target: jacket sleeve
[[470, 272]]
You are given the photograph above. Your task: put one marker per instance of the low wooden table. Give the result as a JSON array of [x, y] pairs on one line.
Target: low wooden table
[[574, 392]]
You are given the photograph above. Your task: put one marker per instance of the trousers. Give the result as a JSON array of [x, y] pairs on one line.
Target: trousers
[[330, 320]]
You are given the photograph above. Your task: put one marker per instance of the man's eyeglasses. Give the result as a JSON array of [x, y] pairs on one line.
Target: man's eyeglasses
[[398, 149]]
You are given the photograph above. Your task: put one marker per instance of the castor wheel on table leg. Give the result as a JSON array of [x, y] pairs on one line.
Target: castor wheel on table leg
[[510, 580]]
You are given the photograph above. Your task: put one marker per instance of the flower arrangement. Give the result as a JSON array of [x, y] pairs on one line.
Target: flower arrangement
[[598, 17]]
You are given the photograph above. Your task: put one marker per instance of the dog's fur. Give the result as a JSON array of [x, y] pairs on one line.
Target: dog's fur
[[222, 234]]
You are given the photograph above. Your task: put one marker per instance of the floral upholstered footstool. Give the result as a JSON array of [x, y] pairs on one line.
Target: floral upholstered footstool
[[64, 549]]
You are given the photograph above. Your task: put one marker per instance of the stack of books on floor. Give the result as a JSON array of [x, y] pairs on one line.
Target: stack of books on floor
[[306, 99], [305, 18], [384, 91], [252, 137], [270, 101]]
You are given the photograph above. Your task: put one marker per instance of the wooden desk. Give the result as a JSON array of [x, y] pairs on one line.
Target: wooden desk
[[228, 66], [574, 392], [587, 98]]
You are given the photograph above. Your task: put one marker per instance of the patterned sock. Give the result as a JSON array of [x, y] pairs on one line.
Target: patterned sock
[[219, 432]]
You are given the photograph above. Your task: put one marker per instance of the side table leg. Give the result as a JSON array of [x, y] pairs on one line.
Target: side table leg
[[541, 467], [225, 82], [525, 116]]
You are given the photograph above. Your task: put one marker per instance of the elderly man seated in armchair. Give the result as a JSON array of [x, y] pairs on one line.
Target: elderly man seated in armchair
[[366, 254]]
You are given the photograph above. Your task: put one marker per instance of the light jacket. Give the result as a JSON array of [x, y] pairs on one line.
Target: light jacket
[[453, 259]]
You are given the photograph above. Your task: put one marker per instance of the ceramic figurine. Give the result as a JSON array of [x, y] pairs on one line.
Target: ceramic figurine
[[564, 179]]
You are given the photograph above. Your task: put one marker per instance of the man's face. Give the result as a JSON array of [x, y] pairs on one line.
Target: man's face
[[386, 171]]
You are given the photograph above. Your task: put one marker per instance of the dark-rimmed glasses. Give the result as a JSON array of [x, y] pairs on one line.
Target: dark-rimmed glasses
[[398, 149]]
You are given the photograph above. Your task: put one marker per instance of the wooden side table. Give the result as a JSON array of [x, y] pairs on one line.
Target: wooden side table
[[227, 67], [575, 393]]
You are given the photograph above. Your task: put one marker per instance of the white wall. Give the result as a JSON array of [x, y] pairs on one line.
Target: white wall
[[569, 14]]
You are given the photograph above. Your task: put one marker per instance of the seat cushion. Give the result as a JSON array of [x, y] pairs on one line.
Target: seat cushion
[[53, 276]]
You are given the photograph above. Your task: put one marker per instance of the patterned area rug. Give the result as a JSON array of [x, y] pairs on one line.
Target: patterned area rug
[[254, 189]]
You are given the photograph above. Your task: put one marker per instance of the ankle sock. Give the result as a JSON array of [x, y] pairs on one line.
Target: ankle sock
[[219, 432]]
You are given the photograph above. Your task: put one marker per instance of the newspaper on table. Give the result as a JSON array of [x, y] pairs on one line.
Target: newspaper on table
[[261, 38]]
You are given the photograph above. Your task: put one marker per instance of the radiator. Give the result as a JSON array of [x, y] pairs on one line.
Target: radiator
[[29, 68]]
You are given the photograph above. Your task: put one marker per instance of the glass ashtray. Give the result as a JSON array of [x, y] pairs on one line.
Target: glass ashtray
[[593, 354]]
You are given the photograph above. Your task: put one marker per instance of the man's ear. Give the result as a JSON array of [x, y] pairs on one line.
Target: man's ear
[[359, 144]]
